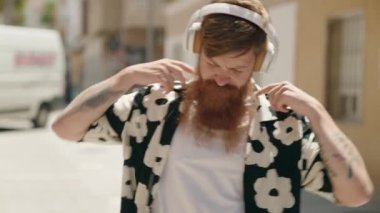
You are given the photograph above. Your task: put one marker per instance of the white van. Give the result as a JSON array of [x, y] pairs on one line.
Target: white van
[[32, 73]]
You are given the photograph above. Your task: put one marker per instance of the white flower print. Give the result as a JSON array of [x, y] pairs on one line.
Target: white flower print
[[260, 150], [273, 192], [153, 147], [127, 151], [129, 180], [288, 131], [123, 105], [101, 131], [314, 180], [309, 151], [264, 112], [156, 103], [156, 154], [137, 126], [142, 196], [255, 127], [160, 159]]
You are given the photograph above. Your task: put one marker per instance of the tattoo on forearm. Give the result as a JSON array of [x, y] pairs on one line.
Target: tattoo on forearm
[[100, 98], [350, 160], [327, 162]]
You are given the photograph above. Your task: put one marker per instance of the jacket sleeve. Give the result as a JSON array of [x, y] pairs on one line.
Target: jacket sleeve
[[110, 126], [314, 175]]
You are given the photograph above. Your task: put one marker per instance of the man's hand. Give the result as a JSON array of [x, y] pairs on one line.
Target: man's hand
[[163, 71], [285, 95]]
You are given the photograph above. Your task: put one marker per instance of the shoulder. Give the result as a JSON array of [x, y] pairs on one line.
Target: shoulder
[[149, 95], [150, 100], [154, 94]]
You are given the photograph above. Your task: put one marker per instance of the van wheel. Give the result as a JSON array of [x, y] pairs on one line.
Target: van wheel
[[42, 116]]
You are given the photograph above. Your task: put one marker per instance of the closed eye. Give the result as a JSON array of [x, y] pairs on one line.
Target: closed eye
[[237, 71], [212, 64]]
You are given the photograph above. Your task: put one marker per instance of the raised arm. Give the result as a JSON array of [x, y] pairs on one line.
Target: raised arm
[[351, 183], [88, 106]]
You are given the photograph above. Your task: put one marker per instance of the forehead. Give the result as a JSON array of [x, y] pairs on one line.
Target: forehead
[[234, 58]]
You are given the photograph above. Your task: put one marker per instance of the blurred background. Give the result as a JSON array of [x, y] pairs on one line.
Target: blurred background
[[50, 50]]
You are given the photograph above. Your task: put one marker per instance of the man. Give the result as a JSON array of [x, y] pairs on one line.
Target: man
[[218, 143]]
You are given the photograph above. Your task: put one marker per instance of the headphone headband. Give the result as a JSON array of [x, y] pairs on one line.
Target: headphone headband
[[234, 10]]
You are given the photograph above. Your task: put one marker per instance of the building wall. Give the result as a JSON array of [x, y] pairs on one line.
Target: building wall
[[104, 15], [177, 15], [134, 13], [284, 20], [311, 67], [33, 13], [69, 18]]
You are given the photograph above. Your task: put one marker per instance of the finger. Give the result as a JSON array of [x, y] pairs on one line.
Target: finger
[[277, 94], [265, 89], [174, 70], [272, 93], [185, 67], [163, 81], [169, 78], [281, 106], [284, 101], [161, 78], [284, 108]]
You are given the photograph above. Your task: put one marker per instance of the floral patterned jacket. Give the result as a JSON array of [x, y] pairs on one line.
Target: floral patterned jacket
[[281, 157]]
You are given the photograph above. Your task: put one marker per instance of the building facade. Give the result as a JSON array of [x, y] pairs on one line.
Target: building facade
[[104, 36], [338, 61]]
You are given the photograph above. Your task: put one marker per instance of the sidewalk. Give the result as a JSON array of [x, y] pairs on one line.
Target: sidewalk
[[314, 204]]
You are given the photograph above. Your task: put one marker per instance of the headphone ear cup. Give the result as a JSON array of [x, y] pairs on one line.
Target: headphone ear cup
[[197, 44], [260, 57], [193, 37], [264, 58]]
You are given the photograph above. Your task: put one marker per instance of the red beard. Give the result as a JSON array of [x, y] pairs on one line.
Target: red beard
[[216, 109]]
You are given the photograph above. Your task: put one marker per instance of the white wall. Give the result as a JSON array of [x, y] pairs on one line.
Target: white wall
[[74, 28], [135, 13], [174, 49], [284, 19], [70, 16], [94, 66]]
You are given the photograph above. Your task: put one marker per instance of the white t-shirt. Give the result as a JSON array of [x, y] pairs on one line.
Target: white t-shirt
[[201, 178]]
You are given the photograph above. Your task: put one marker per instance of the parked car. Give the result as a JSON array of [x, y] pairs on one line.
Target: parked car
[[32, 73]]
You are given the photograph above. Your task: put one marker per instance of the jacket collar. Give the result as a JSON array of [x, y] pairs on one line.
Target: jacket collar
[[264, 111]]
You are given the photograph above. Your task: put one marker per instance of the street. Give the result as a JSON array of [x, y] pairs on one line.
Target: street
[[40, 173]]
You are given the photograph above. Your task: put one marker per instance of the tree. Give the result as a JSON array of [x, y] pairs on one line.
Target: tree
[[19, 17], [48, 14], [1, 5]]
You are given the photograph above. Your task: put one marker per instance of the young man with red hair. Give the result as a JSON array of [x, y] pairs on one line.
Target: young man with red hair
[[218, 143]]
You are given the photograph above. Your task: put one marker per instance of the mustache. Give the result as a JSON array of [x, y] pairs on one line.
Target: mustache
[[212, 83]]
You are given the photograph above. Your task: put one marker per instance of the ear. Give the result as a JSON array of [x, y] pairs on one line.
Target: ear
[[197, 45]]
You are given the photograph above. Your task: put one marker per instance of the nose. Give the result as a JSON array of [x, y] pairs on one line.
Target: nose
[[222, 80]]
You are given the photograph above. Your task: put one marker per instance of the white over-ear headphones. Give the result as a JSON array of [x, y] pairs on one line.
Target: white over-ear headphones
[[193, 37]]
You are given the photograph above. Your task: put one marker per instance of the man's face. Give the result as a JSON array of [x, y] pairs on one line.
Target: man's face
[[220, 94], [231, 69]]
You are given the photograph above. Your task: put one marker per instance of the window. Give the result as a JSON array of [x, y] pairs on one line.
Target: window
[[345, 67]]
